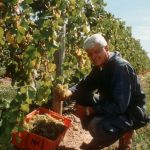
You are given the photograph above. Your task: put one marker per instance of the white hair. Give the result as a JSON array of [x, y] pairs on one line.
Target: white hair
[[95, 39]]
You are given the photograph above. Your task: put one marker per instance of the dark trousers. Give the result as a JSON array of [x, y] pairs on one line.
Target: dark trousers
[[101, 136], [105, 130]]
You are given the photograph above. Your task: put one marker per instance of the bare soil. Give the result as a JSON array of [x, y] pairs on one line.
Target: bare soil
[[5, 81], [75, 135]]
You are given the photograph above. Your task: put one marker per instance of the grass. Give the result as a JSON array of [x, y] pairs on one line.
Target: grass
[[141, 139]]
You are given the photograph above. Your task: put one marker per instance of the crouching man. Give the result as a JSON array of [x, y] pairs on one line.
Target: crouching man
[[118, 107]]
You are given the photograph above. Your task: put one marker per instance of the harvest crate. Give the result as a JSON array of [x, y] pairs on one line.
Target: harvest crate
[[29, 141]]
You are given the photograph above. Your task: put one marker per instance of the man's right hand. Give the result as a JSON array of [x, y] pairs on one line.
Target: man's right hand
[[62, 92]]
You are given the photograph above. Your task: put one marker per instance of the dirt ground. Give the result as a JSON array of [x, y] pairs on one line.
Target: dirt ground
[[75, 135], [5, 81]]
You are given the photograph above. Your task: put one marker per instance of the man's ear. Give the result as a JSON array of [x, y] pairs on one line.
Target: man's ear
[[106, 47]]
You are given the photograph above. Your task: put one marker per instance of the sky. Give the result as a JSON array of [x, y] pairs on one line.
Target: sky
[[136, 13]]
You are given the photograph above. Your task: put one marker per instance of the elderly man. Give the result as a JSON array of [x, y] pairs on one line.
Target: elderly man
[[118, 107]]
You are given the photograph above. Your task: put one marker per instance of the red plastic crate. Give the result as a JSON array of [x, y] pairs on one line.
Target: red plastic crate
[[30, 141]]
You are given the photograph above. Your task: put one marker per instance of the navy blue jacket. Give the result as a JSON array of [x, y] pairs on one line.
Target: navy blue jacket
[[118, 88]]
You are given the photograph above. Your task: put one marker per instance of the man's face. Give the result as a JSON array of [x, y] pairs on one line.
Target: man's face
[[98, 56]]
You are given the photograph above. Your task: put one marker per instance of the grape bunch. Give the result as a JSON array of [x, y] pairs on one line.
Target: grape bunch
[[61, 91]]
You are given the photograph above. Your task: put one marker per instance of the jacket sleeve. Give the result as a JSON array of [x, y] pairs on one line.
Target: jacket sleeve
[[83, 90], [121, 93]]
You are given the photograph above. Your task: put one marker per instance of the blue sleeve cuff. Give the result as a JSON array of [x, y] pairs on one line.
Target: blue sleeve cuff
[[73, 88]]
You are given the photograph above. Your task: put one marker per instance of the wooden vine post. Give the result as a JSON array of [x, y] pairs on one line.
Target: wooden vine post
[[57, 104]]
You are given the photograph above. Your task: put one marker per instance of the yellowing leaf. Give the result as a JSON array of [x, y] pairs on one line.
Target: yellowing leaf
[[1, 36], [86, 28], [10, 38], [73, 2], [25, 107], [57, 13], [23, 90], [1, 33], [29, 101], [78, 52], [138, 147], [51, 67], [19, 38], [32, 63], [21, 29], [48, 83]]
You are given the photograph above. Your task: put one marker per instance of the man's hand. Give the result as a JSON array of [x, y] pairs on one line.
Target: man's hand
[[89, 111], [62, 92], [82, 111]]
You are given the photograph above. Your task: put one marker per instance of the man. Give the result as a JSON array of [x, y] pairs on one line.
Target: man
[[119, 105]]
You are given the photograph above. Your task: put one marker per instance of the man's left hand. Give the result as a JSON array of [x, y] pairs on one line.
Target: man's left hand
[[89, 111]]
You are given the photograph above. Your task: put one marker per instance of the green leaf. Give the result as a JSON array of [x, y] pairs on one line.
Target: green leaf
[[19, 38], [1, 33], [22, 30], [29, 1], [23, 90], [1, 36], [25, 107], [29, 101], [2, 42], [73, 2], [31, 93], [86, 28]]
